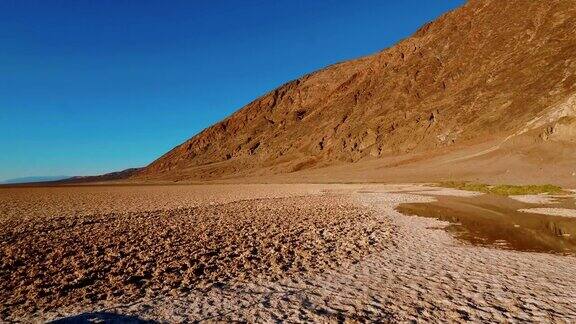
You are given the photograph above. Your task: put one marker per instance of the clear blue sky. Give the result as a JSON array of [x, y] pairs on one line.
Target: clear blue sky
[[88, 87]]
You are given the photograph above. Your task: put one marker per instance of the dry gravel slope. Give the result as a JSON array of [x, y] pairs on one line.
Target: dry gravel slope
[[483, 72]]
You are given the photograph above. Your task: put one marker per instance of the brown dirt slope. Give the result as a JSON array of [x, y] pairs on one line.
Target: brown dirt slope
[[492, 77]]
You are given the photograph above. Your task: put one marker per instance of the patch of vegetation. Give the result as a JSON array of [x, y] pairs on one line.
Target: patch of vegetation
[[504, 190]]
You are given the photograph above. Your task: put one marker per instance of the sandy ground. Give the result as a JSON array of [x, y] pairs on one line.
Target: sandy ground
[[268, 252]]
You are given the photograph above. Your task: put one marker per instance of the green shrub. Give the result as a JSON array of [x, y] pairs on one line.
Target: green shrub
[[504, 190]]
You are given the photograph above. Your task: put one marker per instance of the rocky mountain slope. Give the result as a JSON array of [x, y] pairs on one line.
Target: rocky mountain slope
[[492, 76]]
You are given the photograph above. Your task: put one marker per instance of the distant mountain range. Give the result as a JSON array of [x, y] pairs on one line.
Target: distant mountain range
[[34, 179], [124, 174]]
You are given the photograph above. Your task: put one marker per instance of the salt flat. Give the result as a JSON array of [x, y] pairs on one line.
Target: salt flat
[[261, 252]]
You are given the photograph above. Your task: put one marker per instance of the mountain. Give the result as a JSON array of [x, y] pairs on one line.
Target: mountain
[[487, 91], [33, 179], [112, 176], [58, 180]]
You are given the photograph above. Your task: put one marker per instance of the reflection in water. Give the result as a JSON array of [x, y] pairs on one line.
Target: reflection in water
[[495, 221]]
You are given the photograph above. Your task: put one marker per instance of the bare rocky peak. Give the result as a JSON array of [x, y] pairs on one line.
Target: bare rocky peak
[[488, 70]]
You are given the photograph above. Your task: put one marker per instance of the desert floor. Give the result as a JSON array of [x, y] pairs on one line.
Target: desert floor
[[261, 252]]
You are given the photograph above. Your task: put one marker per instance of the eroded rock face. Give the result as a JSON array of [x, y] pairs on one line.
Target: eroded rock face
[[566, 130], [484, 70]]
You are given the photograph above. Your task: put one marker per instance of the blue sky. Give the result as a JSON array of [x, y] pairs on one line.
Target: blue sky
[[88, 87]]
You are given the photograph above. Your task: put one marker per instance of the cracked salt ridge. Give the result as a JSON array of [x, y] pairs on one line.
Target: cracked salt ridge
[[545, 199], [534, 199], [261, 237], [562, 212], [423, 274]]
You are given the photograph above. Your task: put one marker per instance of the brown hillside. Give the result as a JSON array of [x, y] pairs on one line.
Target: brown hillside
[[492, 78]]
